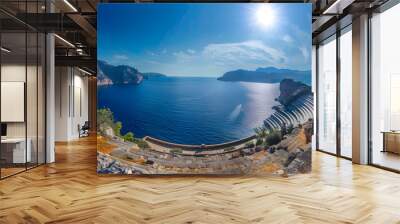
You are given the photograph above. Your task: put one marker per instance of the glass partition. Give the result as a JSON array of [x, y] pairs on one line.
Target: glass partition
[[13, 105], [327, 95], [22, 88]]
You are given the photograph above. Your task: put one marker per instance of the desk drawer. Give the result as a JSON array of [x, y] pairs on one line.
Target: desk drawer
[[392, 142]]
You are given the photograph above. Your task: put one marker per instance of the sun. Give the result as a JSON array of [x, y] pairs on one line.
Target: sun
[[265, 16]]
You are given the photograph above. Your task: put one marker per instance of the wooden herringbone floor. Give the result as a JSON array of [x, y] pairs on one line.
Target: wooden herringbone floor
[[70, 191]]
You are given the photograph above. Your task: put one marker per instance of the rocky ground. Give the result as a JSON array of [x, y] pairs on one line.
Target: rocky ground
[[292, 155]]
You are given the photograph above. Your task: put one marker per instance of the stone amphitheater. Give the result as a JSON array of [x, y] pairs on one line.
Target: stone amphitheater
[[291, 155]]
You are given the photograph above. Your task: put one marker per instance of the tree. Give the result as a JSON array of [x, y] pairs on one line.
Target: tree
[[117, 128], [261, 132], [105, 119], [129, 137]]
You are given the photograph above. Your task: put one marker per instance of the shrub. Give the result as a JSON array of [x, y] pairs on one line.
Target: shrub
[[261, 132], [142, 144], [129, 137], [249, 144], [117, 128], [273, 138], [259, 141], [105, 119]]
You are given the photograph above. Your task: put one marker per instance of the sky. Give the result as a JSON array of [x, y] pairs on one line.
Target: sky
[[200, 39]]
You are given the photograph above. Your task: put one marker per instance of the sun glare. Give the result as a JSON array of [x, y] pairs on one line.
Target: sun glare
[[265, 16]]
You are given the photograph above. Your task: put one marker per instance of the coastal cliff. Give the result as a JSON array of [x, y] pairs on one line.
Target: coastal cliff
[[118, 75], [291, 91], [122, 74], [266, 75], [150, 75]]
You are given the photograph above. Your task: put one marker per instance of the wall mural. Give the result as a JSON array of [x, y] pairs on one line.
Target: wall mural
[[204, 89]]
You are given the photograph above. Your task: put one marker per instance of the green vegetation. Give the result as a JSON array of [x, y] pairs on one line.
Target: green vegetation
[[259, 141], [105, 120], [105, 123], [129, 137], [117, 128], [273, 138], [142, 144], [261, 134], [267, 137]]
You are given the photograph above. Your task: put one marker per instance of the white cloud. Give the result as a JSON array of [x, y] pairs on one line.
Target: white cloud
[[182, 56], [215, 59], [251, 52], [287, 38], [304, 52], [191, 51], [120, 57]]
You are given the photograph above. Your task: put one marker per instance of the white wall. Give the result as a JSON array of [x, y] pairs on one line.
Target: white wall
[[12, 73], [71, 103]]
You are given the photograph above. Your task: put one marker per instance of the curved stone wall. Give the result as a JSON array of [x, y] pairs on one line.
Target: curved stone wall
[[198, 147]]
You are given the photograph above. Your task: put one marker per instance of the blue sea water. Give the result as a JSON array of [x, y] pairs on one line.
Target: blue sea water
[[190, 110]]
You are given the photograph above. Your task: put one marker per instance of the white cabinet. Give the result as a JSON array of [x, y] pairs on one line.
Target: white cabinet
[[19, 155]]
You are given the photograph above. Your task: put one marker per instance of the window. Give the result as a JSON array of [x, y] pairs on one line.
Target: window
[[385, 89], [327, 95], [346, 93]]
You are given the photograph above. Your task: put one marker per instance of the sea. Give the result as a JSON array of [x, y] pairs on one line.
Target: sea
[[190, 110]]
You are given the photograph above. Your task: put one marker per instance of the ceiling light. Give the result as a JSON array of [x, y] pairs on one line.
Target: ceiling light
[[70, 5], [5, 50], [64, 40], [337, 7], [84, 71]]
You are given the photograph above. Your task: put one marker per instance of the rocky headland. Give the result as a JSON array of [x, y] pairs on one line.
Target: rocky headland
[[266, 75], [121, 75]]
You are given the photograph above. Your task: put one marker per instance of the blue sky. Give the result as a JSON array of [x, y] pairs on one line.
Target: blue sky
[[205, 39]]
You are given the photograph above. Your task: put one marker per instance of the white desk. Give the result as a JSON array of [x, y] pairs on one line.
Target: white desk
[[19, 153]]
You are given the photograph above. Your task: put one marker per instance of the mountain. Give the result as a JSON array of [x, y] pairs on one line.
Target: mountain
[[121, 74], [292, 90], [148, 75], [267, 75]]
